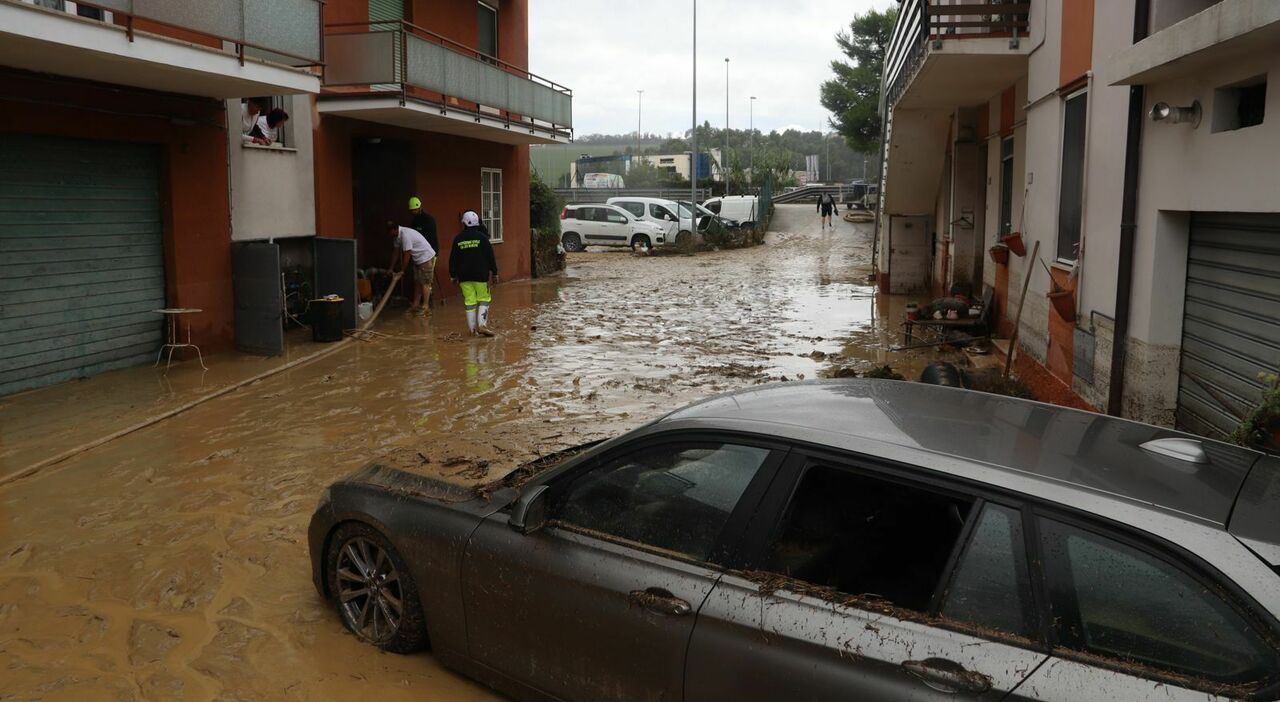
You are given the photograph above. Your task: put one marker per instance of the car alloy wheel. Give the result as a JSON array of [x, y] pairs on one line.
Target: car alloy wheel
[[370, 593], [571, 242], [640, 240]]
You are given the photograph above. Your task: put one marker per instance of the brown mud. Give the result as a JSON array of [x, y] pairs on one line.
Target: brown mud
[[171, 564]]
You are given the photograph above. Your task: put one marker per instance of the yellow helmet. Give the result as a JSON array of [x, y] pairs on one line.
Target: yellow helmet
[[415, 203]]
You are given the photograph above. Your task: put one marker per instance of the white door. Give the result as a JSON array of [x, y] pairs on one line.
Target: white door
[[665, 218], [614, 229]]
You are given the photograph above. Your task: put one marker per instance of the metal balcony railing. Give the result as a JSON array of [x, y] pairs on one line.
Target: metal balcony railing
[[419, 64], [289, 32], [924, 22]]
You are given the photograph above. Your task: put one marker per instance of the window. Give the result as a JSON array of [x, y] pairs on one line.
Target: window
[[487, 19], [253, 108], [1006, 187], [635, 208], [862, 535], [659, 212], [613, 217], [491, 202], [991, 586], [1241, 105], [1112, 600], [676, 497], [1075, 116], [714, 207]]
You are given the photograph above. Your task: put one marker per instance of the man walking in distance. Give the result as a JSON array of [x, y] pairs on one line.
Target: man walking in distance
[[827, 207], [411, 248], [426, 226], [471, 265]]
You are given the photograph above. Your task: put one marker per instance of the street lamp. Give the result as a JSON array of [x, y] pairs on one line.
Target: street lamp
[[751, 135], [693, 154], [724, 157], [639, 107]]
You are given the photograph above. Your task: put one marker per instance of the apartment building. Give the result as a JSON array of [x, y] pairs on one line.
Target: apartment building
[[1135, 142], [129, 182]]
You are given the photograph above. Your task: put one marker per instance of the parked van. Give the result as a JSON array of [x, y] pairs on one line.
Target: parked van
[[743, 209], [659, 212], [605, 225]]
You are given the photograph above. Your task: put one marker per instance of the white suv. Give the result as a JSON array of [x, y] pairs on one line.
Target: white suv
[[605, 225]]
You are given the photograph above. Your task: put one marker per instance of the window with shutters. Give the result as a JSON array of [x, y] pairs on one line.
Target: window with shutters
[[491, 202], [1075, 117], [487, 20]]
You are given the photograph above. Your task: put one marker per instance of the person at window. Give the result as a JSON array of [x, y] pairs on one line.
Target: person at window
[[471, 266], [827, 208], [267, 129], [426, 226], [250, 110], [412, 248]]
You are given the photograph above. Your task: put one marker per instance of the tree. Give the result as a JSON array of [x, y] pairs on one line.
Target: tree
[[853, 95]]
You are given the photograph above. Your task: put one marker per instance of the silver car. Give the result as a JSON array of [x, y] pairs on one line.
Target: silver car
[[844, 540]]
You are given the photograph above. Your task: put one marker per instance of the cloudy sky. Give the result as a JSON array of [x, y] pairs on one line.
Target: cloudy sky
[[605, 50]]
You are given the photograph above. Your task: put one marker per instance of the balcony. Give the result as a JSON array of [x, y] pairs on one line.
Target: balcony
[[947, 53], [398, 74], [210, 48], [942, 55], [1221, 34]]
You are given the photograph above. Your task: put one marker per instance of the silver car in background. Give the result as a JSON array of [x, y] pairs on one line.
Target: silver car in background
[[838, 540]]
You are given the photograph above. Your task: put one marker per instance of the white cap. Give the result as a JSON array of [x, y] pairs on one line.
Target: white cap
[[470, 219]]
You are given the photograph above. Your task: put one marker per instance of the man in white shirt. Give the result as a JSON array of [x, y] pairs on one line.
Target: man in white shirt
[[411, 247]]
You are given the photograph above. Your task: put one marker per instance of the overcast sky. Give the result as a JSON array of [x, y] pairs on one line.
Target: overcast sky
[[605, 50]]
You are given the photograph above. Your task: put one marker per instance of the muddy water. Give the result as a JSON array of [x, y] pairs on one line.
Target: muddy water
[[171, 564]]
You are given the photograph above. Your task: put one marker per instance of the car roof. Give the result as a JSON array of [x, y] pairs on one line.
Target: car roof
[[1075, 449], [637, 198]]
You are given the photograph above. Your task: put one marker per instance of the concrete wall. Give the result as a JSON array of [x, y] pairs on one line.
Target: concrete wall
[[272, 188]]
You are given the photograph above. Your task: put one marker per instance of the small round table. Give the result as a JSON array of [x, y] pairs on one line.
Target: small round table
[[171, 315]]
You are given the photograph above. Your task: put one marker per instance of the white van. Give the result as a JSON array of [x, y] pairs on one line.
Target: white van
[[744, 209], [659, 212], [605, 225], [610, 181]]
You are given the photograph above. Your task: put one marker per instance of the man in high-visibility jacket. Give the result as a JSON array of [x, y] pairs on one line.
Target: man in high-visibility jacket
[[471, 266]]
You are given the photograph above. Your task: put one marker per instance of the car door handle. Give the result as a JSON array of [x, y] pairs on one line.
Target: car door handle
[[947, 676], [660, 601]]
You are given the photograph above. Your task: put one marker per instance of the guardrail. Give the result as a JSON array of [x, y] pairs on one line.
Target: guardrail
[[283, 31], [397, 55], [924, 22]]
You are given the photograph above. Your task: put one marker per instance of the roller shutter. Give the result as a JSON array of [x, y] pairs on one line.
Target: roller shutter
[[81, 258], [1231, 322]]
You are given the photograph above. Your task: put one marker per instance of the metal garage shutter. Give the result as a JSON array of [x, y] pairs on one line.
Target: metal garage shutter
[[81, 259], [1231, 326]]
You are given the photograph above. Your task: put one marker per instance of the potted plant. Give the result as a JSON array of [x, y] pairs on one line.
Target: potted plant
[[1015, 243], [999, 254], [1261, 428]]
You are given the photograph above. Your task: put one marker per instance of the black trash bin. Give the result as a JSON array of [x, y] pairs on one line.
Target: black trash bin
[[326, 319]]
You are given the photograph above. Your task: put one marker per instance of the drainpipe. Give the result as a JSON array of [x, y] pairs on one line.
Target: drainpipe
[[1128, 222], [1084, 194]]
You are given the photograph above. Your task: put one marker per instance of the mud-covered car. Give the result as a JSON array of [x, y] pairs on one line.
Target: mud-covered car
[[838, 540]]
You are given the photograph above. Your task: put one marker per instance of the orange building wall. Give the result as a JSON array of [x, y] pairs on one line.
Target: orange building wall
[[447, 178], [1077, 41], [197, 213]]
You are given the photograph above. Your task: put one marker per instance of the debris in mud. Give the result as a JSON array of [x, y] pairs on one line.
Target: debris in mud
[[475, 468], [150, 642], [215, 456], [523, 474], [769, 583], [992, 380], [880, 372], [732, 370]]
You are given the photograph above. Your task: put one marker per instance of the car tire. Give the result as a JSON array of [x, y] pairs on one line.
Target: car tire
[[571, 242], [684, 238], [642, 241], [372, 617]]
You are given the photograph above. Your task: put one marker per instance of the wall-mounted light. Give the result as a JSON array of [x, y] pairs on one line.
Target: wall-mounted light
[[1164, 112]]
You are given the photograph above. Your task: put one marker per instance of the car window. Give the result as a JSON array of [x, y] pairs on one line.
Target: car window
[[863, 535], [991, 586], [570, 213], [586, 214], [676, 497], [615, 217], [714, 207], [635, 208], [658, 212], [1113, 600]]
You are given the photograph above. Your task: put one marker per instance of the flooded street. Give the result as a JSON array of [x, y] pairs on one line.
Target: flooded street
[[171, 564]]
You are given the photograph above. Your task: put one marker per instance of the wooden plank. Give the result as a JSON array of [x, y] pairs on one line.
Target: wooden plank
[[976, 23], [48, 268], [72, 355], [74, 254], [59, 242], [988, 8], [136, 301], [77, 315], [79, 341], [9, 286], [107, 322], [83, 292]]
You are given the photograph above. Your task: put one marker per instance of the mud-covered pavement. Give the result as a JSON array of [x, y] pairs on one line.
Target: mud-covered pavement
[[171, 564]]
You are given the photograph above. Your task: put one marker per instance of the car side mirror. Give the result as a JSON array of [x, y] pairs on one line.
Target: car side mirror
[[529, 513]]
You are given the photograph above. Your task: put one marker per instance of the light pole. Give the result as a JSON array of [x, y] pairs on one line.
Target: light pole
[[724, 155], [693, 154], [639, 107], [751, 135], [826, 139]]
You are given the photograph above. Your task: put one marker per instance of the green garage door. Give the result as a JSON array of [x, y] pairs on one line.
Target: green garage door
[[1231, 322], [81, 259]]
